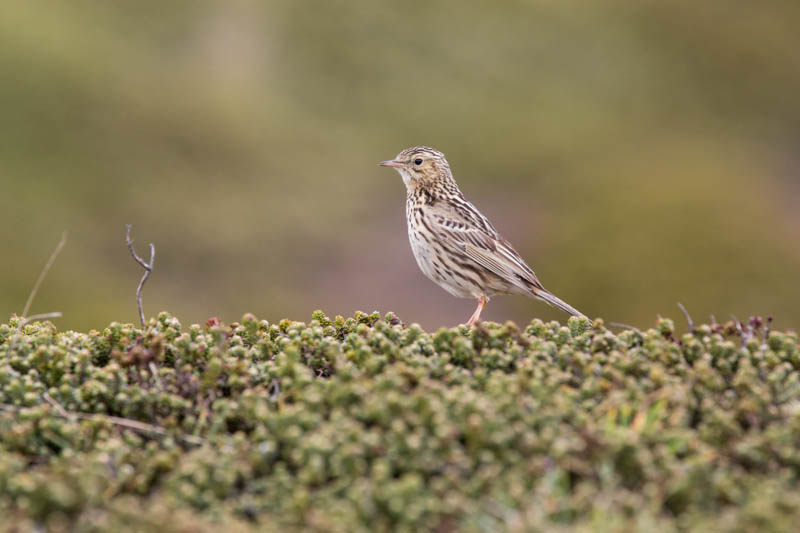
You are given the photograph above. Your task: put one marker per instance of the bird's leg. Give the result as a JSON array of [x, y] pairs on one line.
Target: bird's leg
[[482, 301]]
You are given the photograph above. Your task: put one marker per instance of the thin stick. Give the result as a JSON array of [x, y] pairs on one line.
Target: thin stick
[[135, 425], [148, 268], [623, 326], [60, 408], [27, 319], [46, 268], [688, 318], [41, 316]]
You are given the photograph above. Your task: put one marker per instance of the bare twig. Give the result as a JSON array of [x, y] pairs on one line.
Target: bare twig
[[42, 275], [688, 318], [58, 407], [148, 268], [623, 326], [41, 316], [25, 318], [134, 425], [31, 318]]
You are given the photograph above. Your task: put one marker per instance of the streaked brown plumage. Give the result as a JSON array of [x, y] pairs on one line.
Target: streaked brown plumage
[[453, 243]]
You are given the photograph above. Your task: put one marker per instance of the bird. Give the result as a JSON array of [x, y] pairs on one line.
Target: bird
[[455, 245]]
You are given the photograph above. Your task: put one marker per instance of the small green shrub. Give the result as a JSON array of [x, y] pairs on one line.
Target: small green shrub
[[367, 424]]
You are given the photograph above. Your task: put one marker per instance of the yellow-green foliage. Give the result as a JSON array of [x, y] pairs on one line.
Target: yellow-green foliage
[[366, 424]]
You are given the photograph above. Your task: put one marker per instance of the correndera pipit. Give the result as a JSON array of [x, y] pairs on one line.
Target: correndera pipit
[[454, 244]]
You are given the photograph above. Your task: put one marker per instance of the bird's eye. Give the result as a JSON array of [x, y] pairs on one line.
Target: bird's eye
[[418, 161]]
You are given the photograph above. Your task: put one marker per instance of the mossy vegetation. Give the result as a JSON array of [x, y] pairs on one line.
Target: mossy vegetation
[[367, 424]]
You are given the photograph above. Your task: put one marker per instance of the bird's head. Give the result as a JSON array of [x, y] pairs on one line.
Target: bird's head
[[420, 166]]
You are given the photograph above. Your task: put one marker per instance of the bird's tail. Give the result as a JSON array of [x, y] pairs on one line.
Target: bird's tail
[[556, 302]]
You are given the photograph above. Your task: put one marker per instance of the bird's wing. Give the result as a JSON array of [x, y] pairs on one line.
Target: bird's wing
[[474, 236]]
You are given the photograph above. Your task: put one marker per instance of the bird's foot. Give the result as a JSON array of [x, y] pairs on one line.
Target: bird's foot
[[482, 301]]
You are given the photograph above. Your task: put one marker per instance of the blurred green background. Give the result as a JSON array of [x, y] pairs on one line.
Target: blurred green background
[[637, 153]]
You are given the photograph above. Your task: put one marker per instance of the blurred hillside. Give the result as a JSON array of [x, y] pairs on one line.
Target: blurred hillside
[[636, 153]]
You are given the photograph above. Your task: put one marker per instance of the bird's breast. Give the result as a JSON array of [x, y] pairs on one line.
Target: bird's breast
[[433, 259]]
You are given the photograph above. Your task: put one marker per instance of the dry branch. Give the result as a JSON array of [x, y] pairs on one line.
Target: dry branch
[[688, 318], [148, 268], [44, 272], [134, 425], [624, 326]]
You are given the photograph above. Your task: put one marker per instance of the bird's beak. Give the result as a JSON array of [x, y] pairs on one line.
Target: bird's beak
[[391, 163]]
